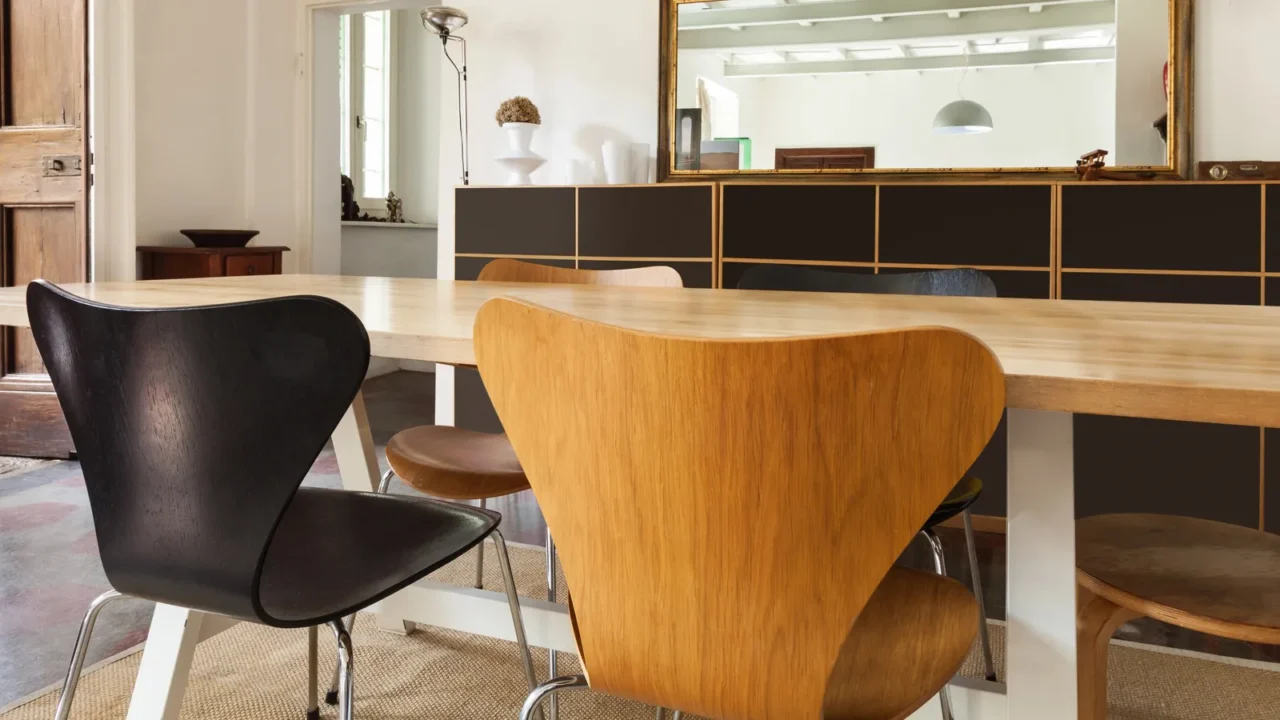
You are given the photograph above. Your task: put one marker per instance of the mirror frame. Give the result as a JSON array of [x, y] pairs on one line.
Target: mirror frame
[[1181, 120]]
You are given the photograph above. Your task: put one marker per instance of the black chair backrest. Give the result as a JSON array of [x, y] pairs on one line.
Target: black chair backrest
[[957, 282], [194, 428]]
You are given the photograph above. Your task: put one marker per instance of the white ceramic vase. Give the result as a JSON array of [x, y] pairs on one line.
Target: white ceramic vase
[[617, 162], [520, 160]]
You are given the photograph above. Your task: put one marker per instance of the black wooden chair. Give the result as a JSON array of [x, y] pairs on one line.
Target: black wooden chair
[[196, 426], [957, 282]]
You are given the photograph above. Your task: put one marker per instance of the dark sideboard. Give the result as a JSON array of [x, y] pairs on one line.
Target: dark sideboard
[[1153, 242]]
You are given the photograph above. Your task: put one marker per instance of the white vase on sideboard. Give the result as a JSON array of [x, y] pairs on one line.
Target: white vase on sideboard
[[520, 160]]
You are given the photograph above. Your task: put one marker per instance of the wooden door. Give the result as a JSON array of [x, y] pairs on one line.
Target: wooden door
[[846, 158], [44, 167]]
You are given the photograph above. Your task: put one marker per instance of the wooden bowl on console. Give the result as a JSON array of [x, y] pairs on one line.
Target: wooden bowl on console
[[220, 238]]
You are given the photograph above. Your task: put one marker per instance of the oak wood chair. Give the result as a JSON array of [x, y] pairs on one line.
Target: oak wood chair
[[956, 282], [1202, 575], [765, 488], [195, 428], [459, 464]]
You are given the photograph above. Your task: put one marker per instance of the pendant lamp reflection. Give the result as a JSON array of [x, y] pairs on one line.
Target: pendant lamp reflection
[[962, 117]]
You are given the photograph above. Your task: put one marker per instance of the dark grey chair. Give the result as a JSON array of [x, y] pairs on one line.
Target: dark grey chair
[[195, 428]]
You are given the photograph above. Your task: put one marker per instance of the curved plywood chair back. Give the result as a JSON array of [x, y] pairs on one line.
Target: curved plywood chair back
[[194, 428], [508, 270], [724, 509]]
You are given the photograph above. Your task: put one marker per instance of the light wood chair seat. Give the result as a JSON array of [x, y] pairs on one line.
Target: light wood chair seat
[[1198, 574], [914, 632], [456, 464]]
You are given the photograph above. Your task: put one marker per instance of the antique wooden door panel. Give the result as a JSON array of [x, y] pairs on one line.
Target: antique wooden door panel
[[43, 215]]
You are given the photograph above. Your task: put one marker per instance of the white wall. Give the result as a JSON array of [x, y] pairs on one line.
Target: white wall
[[215, 110], [396, 251], [1237, 96], [591, 67], [1044, 116], [418, 119], [214, 119]]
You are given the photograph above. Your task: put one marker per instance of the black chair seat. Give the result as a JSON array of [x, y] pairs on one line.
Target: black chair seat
[[336, 552], [961, 497]]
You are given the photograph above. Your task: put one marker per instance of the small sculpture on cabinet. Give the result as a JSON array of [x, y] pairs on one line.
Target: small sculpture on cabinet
[[395, 208]]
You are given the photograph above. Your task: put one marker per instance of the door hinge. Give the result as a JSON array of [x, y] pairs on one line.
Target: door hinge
[[62, 165]]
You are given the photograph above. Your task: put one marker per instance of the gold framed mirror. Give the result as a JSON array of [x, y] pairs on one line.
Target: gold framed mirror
[[885, 90]]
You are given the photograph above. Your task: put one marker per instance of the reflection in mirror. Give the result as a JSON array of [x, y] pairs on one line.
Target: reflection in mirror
[[823, 85]]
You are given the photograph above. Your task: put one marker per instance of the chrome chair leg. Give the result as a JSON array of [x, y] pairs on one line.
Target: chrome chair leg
[[659, 713], [77, 654], [553, 704], [480, 556], [940, 566], [346, 670], [513, 600], [677, 715], [987, 660], [550, 687], [331, 697], [313, 685]]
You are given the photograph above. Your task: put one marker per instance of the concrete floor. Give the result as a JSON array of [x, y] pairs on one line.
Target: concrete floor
[[49, 567]]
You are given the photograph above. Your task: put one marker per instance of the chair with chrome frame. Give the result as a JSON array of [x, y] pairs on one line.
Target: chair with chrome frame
[[958, 282], [466, 465], [195, 428], [757, 576]]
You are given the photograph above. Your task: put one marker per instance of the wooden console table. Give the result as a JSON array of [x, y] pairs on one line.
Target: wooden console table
[[179, 263]]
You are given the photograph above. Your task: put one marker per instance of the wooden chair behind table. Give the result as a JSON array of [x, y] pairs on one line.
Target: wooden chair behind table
[[718, 565]]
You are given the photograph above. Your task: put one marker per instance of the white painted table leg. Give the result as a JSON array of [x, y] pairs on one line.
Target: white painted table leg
[[358, 464], [354, 450], [1040, 659], [932, 710], [166, 662]]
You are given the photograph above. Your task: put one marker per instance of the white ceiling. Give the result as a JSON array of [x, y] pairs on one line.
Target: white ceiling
[[803, 37]]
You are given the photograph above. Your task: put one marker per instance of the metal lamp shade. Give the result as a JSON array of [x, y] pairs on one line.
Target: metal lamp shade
[[962, 117], [443, 20]]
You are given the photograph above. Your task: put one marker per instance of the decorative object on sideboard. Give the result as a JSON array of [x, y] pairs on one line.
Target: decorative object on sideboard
[[1252, 170], [688, 139], [617, 162], [1093, 166], [220, 238], [395, 208], [520, 118], [350, 208], [445, 22], [518, 109]]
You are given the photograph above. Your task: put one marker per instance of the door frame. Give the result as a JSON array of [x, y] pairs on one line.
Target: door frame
[[319, 243], [112, 132]]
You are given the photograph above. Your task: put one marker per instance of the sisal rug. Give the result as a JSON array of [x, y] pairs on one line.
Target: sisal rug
[[252, 671]]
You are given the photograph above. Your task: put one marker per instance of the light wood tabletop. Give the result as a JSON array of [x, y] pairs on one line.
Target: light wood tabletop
[[1201, 363]]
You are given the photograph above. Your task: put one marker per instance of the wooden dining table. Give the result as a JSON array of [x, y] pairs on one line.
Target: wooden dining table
[[1215, 364]]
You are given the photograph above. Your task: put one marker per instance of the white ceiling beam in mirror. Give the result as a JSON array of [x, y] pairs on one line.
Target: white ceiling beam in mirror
[[920, 64], [912, 29], [745, 13]]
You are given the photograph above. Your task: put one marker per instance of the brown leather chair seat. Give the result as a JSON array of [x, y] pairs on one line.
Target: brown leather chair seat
[[456, 464]]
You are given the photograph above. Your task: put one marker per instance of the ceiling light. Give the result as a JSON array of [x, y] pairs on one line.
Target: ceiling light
[[962, 117]]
